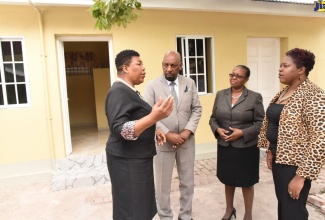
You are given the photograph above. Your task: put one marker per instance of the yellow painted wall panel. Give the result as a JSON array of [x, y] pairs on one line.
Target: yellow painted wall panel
[[24, 132], [81, 95], [102, 84]]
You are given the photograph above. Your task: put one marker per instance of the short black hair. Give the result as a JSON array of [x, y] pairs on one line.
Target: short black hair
[[302, 57], [248, 71], [124, 58]]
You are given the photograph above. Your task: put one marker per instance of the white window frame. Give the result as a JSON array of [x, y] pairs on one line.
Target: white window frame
[[186, 59], [24, 62]]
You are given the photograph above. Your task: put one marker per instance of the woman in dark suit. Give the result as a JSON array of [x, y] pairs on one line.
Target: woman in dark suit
[[293, 133], [236, 121], [131, 145]]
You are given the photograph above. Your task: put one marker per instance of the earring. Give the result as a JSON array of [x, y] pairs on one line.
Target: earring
[[299, 78]]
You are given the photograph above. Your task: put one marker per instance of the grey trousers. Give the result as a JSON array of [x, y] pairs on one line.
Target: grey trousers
[[164, 162]]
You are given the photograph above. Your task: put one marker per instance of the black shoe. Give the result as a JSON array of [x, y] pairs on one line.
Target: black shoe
[[233, 213]]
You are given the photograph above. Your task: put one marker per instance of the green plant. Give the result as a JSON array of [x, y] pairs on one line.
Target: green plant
[[114, 12]]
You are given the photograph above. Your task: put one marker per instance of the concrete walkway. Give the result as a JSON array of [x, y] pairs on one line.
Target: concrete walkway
[[39, 202]]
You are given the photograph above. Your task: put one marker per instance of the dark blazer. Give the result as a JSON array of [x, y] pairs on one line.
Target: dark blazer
[[247, 114], [123, 105]]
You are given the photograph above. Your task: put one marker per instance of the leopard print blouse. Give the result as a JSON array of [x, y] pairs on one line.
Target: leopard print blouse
[[301, 138]]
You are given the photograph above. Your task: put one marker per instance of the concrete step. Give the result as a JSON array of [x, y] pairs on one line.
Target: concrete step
[[90, 170], [80, 171]]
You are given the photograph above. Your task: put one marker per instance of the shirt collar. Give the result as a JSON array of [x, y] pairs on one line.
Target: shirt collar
[[176, 81], [128, 85], [125, 83]]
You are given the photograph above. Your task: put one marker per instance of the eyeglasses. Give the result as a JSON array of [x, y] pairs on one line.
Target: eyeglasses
[[231, 75]]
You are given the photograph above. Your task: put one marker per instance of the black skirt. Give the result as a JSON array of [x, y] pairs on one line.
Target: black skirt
[[133, 190], [238, 167]]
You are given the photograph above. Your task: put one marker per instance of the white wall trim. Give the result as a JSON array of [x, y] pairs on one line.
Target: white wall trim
[[229, 6], [60, 39], [206, 150]]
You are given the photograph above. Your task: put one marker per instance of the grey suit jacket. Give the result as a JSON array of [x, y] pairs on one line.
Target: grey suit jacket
[[185, 115], [247, 114]]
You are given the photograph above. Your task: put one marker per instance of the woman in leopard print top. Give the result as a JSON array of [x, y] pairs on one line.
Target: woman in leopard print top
[[293, 133]]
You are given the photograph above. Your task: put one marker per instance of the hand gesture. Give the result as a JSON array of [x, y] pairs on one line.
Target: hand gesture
[[185, 134], [295, 186], [160, 137], [222, 133], [162, 109], [174, 138], [236, 133]]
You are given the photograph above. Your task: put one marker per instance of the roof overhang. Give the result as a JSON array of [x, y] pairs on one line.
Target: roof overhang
[[231, 6]]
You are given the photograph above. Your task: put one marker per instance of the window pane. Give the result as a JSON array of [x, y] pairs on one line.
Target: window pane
[[18, 52], [179, 50], [22, 97], [11, 94], [194, 78], [192, 65], [9, 76], [6, 51], [191, 47], [179, 46], [201, 83], [184, 68], [184, 47], [20, 75], [199, 47], [13, 88], [200, 65], [195, 60], [1, 95]]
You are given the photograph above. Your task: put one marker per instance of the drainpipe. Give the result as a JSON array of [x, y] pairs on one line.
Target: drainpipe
[[46, 86]]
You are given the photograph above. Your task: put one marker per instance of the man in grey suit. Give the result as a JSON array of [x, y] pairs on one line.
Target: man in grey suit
[[179, 128]]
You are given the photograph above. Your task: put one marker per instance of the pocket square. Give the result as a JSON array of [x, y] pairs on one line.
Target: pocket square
[[187, 89]]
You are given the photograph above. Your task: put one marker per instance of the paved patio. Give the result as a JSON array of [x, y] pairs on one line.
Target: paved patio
[[38, 201]]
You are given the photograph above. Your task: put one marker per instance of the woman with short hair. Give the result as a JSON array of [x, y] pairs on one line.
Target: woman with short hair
[[293, 133], [236, 121]]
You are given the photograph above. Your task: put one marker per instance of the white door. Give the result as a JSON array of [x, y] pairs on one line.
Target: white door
[[64, 98], [263, 59], [63, 82]]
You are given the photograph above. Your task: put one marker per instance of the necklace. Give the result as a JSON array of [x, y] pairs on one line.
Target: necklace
[[236, 97], [283, 97]]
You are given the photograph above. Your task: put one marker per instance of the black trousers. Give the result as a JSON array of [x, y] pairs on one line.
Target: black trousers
[[288, 208]]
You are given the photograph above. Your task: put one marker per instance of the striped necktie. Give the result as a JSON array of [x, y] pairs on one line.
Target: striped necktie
[[174, 94]]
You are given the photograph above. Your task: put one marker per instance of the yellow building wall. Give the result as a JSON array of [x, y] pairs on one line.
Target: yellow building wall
[[81, 88], [81, 95], [102, 84], [26, 146], [230, 32], [25, 132]]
